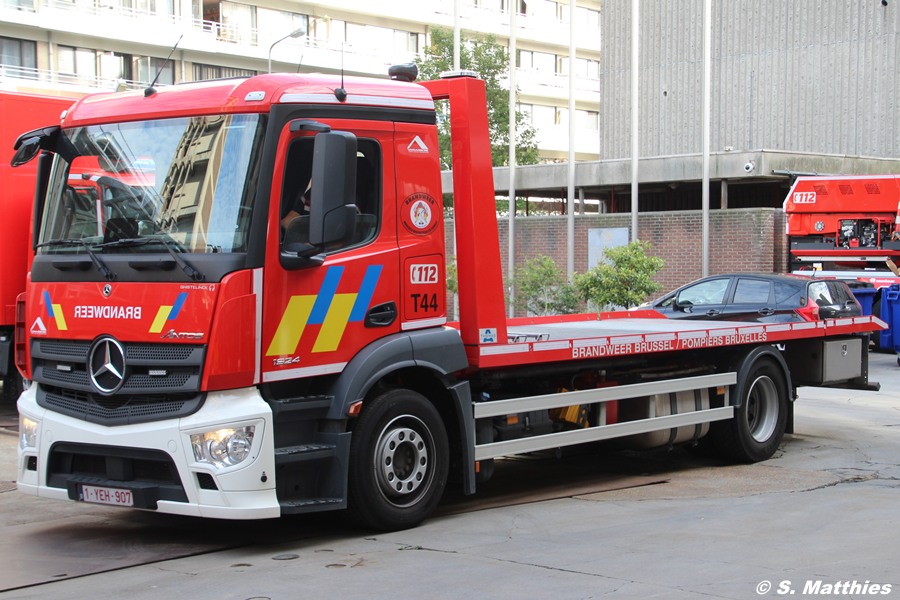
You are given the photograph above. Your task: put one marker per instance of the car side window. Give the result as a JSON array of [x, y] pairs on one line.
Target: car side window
[[295, 192], [822, 294], [705, 292], [787, 294], [751, 291]]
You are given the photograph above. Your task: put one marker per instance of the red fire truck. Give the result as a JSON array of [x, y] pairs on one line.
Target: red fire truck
[[18, 113], [261, 329], [845, 219]]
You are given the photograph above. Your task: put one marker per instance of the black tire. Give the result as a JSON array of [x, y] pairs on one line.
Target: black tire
[[399, 461], [757, 428], [12, 388]]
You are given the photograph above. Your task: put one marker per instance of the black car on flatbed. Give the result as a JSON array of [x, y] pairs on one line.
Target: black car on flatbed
[[765, 298]]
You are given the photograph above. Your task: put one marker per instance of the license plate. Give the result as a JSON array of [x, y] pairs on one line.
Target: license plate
[[102, 495]]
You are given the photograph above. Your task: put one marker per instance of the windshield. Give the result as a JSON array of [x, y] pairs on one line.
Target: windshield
[[190, 182]]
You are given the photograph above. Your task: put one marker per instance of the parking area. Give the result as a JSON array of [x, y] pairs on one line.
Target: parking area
[[822, 512]]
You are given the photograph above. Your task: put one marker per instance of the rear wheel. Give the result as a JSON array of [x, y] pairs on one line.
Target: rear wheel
[[757, 428], [399, 460]]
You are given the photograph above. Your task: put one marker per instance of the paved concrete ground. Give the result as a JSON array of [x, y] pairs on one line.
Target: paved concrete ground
[[824, 509]]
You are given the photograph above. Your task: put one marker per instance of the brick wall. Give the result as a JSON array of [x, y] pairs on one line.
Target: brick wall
[[744, 240]]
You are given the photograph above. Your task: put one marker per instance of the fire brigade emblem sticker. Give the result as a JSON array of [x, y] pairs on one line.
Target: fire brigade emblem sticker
[[418, 214]]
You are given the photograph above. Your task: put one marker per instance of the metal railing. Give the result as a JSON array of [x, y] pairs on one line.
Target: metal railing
[[72, 79]]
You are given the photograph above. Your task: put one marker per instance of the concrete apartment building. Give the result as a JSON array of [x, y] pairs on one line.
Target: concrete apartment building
[[797, 86], [77, 46]]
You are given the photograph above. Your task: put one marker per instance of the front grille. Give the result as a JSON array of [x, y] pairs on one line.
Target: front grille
[[158, 353], [69, 378], [120, 409], [142, 382], [61, 367], [71, 348]]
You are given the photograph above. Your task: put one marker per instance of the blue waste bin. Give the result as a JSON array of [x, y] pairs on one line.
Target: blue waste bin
[[865, 297], [890, 314]]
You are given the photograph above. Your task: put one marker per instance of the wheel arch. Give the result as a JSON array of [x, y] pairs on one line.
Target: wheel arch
[[423, 361], [743, 363]]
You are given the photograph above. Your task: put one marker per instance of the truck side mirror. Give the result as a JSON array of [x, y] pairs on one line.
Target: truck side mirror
[[26, 152], [332, 210]]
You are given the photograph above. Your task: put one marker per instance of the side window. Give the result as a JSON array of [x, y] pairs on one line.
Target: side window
[[295, 192], [751, 291], [787, 294], [822, 294], [707, 292]]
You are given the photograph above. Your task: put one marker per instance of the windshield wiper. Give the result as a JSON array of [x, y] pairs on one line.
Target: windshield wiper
[[189, 270], [104, 270]]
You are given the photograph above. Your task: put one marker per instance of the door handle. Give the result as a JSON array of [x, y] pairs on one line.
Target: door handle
[[381, 315], [712, 312], [766, 311]]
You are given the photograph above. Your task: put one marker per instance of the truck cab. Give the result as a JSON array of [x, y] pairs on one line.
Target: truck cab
[[209, 249]]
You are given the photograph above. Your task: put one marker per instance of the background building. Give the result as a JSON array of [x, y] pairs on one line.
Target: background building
[[77, 46]]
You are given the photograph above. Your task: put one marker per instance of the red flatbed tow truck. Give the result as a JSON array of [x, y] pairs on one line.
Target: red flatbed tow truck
[[261, 329]]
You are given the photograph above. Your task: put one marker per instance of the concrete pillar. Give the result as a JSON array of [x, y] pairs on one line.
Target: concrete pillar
[[724, 203]]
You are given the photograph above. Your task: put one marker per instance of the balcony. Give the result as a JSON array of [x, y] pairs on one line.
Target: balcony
[[544, 85], [25, 79]]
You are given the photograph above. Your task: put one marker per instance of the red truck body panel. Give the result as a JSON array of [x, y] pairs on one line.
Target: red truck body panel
[[816, 207], [20, 113]]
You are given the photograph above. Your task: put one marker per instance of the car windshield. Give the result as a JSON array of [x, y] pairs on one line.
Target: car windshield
[[190, 182]]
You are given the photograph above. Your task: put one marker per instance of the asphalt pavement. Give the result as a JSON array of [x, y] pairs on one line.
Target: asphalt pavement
[[818, 518]]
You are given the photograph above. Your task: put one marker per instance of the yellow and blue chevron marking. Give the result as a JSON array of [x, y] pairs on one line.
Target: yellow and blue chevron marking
[[168, 313], [55, 312], [328, 308]]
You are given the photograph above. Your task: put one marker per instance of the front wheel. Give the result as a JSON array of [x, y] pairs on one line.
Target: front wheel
[[399, 460], [12, 387], [757, 428]]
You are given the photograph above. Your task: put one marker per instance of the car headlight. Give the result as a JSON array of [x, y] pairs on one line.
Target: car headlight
[[28, 432], [223, 447]]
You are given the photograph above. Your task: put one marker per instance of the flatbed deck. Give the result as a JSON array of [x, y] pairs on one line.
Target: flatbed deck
[[578, 337]]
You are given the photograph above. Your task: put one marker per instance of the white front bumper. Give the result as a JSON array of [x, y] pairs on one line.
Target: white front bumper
[[245, 491]]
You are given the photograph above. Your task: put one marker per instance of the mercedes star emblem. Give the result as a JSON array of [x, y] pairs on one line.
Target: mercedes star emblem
[[106, 364], [107, 290]]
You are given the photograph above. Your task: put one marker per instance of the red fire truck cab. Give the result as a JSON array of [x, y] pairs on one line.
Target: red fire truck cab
[[260, 328]]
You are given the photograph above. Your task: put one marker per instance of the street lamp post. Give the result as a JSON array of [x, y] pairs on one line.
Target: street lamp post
[[294, 34]]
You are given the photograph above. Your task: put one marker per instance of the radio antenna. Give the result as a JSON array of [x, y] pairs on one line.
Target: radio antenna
[[341, 93], [149, 91]]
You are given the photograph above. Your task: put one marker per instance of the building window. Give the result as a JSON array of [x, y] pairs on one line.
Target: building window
[[238, 23], [18, 53], [527, 111], [324, 28], [206, 72], [278, 23], [146, 68]]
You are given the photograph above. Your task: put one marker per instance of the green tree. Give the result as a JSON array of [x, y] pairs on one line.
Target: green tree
[[490, 61], [622, 279], [542, 289]]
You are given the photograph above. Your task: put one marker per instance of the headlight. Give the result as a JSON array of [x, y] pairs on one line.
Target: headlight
[[28, 432], [224, 447]]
